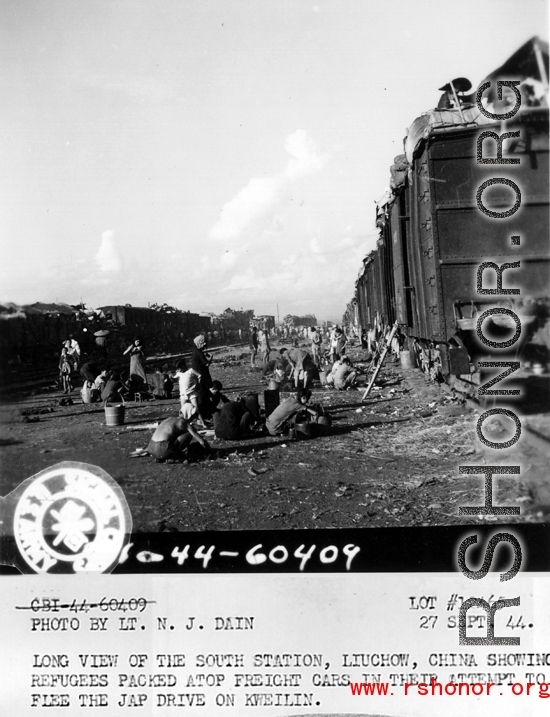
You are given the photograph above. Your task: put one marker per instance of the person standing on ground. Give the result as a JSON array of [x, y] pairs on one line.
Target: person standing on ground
[[301, 364], [65, 371], [315, 337], [253, 346], [200, 362], [341, 342], [138, 377], [73, 351], [188, 380], [264, 346]]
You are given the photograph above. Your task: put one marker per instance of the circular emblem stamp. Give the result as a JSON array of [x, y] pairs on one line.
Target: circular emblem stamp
[[70, 518]]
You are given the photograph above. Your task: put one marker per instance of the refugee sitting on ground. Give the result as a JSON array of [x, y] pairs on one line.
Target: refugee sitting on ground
[[65, 371], [234, 421], [344, 375], [99, 382], [217, 397], [173, 436], [280, 420], [114, 390], [89, 371], [301, 365]]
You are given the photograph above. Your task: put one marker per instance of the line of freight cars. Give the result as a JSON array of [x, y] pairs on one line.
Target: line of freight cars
[[433, 237], [32, 337]]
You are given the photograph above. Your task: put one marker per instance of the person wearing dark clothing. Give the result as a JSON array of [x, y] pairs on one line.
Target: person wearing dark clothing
[[89, 371], [216, 396], [138, 377], [200, 362], [114, 391], [253, 346], [233, 422]]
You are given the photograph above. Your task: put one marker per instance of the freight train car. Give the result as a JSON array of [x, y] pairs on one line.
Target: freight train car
[[163, 331], [433, 235]]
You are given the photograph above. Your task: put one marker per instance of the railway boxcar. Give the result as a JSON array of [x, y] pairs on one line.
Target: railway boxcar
[[160, 330], [433, 237]]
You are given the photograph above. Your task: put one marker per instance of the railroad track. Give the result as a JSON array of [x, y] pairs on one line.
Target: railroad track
[[37, 378]]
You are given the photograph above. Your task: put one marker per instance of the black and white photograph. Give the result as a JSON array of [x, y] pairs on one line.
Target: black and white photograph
[[274, 299]]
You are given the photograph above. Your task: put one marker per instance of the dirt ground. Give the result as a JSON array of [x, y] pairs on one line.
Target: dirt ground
[[390, 461]]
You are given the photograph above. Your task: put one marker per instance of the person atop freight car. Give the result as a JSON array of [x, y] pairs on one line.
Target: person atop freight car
[[454, 94], [174, 435]]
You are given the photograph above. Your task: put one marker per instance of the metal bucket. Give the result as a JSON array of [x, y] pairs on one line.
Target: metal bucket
[[324, 424], [114, 415], [408, 359], [304, 430]]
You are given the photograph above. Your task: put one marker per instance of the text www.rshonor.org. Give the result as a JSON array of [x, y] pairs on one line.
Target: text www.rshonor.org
[[463, 689]]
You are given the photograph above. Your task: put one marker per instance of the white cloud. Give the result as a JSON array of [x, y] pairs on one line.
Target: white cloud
[[305, 158], [108, 258], [228, 259], [253, 203], [142, 88], [254, 208]]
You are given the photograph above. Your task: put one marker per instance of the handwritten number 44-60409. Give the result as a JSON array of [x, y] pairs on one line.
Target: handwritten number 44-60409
[[277, 555]]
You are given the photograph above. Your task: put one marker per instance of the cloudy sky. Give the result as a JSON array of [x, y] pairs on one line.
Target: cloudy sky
[[215, 153]]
